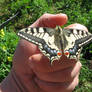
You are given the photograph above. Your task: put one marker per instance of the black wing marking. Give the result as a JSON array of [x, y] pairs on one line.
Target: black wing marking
[[84, 41], [31, 38]]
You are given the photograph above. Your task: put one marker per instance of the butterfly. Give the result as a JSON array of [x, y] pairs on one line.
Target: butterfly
[[54, 42]]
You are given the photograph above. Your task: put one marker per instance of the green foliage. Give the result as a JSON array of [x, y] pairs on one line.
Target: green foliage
[[76, 10], [8, 41], [31, 10], [85, 78], [79, 11]]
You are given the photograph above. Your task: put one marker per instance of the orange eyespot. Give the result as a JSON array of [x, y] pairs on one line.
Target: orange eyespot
[[66, 53], [59, 53]]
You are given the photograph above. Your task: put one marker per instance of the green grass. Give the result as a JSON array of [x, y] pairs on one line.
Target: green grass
[[77, 10]]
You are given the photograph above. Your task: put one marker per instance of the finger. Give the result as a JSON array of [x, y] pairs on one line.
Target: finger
[[59, 76], [41, 63], [73, 84], [77, 26], [61, 86], [65, 75], [51, 20]]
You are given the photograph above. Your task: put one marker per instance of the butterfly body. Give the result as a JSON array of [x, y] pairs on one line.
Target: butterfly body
[[53, 42]]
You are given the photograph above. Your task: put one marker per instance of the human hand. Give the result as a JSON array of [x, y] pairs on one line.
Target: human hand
[[32, 70]]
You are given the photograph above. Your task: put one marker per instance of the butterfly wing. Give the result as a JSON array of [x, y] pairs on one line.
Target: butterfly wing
[[75, 39], [51, 41], [44, 38]]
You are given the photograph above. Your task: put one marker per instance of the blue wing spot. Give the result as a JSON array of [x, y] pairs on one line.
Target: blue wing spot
[[52, 52]]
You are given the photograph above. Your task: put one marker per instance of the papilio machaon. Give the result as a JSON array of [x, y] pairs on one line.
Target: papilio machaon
[[53, 42]]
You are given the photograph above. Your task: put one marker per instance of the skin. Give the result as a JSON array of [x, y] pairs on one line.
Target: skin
[[31, 70]]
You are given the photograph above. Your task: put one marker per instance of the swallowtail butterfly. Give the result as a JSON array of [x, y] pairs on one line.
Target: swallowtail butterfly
[[53, 42]]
